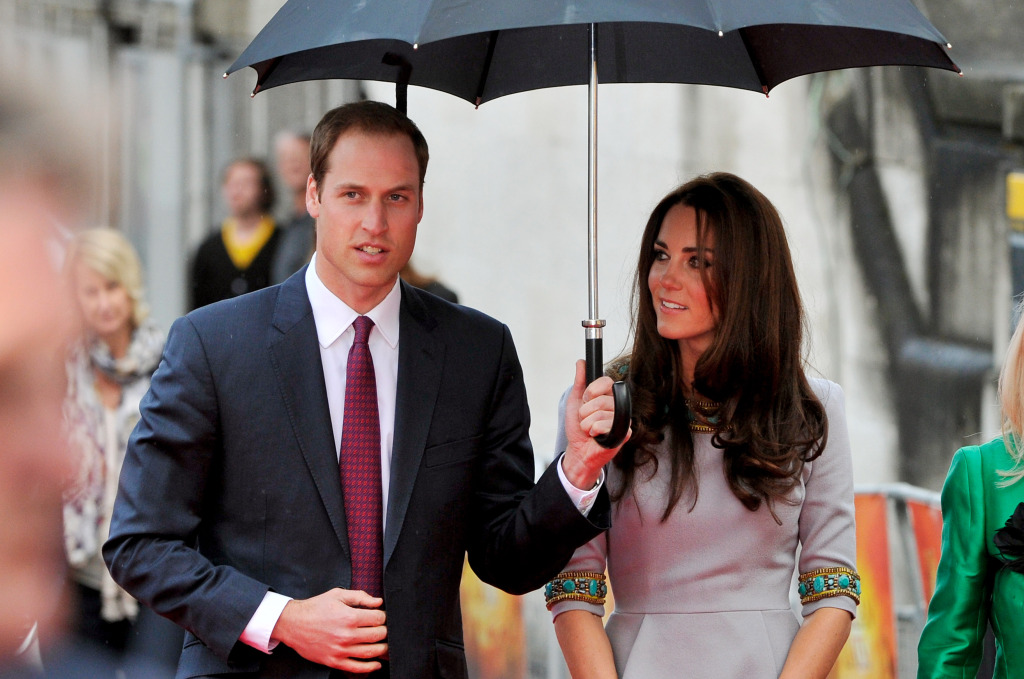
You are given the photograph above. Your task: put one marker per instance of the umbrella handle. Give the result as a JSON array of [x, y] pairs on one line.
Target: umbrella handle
[[623, 414], [620, 393]]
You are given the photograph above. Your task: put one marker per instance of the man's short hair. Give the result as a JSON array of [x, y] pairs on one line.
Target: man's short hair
[[371, 117], [289, 134]]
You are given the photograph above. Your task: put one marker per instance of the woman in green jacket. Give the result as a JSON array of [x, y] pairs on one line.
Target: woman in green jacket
[[981, 571]]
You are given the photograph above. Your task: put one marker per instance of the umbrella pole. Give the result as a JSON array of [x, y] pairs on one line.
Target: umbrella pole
[[594, 327]]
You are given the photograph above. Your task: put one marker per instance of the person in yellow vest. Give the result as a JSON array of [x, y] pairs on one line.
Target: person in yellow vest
[[237, 258]]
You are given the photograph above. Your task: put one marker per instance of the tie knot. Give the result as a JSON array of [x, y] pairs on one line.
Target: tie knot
[[363, 326]]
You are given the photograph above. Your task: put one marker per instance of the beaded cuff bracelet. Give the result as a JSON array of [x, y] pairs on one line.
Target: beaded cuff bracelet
[[586, 586], [825, 582]]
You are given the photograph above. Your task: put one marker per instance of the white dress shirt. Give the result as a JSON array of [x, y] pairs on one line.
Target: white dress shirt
[[334, 319]]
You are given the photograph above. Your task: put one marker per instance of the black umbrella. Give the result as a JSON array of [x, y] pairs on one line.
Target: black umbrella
[[480, 50]]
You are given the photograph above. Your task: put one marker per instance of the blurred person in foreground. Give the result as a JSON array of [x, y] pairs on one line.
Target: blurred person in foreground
[[237, 257], [108, 373], [738, 475], [41, 185], [298, 231], [980, 580]]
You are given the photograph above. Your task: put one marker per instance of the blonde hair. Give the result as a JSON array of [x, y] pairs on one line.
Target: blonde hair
[[1011, 399], [109, 254]]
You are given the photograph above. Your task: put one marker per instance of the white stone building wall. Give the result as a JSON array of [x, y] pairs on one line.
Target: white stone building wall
[[506, 209]]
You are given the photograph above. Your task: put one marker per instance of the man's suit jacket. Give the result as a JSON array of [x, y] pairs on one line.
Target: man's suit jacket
[[230, 485]]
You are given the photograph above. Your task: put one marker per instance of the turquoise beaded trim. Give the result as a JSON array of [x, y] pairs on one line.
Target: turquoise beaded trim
[[586, 586], [825, 582]]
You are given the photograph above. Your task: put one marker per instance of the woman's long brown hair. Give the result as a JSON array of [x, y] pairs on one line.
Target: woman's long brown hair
[[772, 421]]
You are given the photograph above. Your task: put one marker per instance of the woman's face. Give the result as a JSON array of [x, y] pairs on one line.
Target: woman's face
[[677, 290], [105, 304]]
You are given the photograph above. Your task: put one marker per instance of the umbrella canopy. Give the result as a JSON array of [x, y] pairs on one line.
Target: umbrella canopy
[[480, 50]]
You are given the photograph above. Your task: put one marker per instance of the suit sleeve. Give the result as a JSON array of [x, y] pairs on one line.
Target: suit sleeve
[[951, 643], [522, 534], [153, 548]]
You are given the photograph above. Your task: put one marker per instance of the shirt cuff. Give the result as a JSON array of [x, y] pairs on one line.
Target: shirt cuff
[[257, 632], [583, 499]]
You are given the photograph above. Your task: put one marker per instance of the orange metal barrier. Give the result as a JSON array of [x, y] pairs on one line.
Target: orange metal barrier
[[899, 533]]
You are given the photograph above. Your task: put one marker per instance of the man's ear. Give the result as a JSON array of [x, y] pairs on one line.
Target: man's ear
[[313, 199]]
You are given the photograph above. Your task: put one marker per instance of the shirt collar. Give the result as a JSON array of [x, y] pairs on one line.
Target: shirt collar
[[333, 317]]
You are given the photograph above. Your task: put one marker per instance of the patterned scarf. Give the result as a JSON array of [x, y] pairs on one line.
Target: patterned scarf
[[89, 500], [139, 362]]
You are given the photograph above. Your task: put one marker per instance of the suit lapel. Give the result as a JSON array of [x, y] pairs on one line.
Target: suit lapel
[[295, 353], [420, 361]]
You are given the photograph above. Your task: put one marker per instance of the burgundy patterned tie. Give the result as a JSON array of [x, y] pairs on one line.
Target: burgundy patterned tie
[[360, 466]]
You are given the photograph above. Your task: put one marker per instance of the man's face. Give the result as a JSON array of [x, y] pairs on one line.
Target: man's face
[[367, 210], [293, 162], [35, 461], [243, 191]]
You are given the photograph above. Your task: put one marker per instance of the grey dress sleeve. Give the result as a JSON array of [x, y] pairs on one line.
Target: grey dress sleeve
[[827, 530], [591, 556]]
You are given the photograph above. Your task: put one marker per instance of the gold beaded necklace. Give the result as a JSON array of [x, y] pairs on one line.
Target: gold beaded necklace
[[702, 415]]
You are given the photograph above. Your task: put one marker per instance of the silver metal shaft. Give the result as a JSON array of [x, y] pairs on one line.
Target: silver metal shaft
[[593, 319]]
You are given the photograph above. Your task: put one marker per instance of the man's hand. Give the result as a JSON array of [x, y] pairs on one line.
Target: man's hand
[[588, 413], [340, 628]]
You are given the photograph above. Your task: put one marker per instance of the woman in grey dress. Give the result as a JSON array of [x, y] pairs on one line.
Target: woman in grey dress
[[732, 549]]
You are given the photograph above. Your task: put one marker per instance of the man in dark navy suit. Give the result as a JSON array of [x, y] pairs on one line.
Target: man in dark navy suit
[[232, 517]]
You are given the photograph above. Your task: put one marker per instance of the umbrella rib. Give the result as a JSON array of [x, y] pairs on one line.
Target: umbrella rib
[[753, 61], [492, 39], [263, 74], [713, 13]]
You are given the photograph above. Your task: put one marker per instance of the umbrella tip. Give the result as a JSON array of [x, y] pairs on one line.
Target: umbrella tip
[[225, 75], [949, 45], [764, 88], [720, 34], [415, 45]]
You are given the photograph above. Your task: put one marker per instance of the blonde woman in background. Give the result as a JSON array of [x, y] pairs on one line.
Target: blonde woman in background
[[980, 580], [108, 373]]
